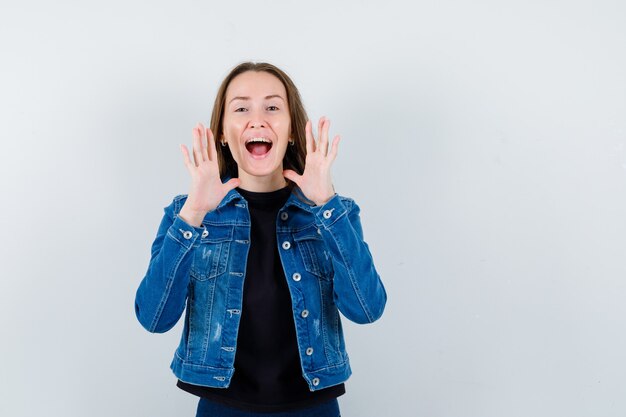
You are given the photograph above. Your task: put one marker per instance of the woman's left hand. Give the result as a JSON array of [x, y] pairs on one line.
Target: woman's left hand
[[315, 181]]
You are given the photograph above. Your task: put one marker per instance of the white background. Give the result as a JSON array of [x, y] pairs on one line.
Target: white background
[[485, 142]]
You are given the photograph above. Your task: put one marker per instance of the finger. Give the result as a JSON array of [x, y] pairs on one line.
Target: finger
[[232, 183], [197, 157], [292, 175], [310, 143], [212, 152], [186, 159], [320, 125], [334, 148], [324, 136], [205, 147], [200, 143]]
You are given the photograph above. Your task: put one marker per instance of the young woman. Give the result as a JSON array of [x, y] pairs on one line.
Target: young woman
[[262, 254]]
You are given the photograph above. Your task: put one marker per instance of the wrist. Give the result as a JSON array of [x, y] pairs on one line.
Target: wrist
[[320, 203], [192, 217], [329, 196]]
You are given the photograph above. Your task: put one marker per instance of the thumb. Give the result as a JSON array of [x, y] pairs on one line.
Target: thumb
[[232, 183], [292, 175]]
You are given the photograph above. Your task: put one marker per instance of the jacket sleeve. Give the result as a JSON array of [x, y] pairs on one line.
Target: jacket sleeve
[[162, 293], [358, 291]]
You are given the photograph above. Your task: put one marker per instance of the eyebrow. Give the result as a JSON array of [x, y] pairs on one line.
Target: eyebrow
[[248, 98]]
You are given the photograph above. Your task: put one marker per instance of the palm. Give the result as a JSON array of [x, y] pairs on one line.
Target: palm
[[315, 182], [207, 189]]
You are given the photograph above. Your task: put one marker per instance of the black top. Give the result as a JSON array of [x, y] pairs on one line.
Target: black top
[[268, 374]]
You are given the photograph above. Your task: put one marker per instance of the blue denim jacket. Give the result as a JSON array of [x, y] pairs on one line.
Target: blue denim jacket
[[327, 265]]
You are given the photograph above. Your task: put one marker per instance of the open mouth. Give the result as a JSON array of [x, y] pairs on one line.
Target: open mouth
[[258, 147]]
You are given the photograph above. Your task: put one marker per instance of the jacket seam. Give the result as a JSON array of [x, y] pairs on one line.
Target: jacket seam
[[355, 286], [330, 367], [322, 322], [195, 365], [166, 294]]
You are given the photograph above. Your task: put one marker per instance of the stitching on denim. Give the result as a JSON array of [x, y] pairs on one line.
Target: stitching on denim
[[323, 321], [228, 348], [337, 334], [196, 365], [205, 341], [174, 238], [227, 232], [291, 229], [191, 297], [329, 222], [218, 249], [228, 286], [223, 320], [330, 367], [230, 222], [166, 293], [351, 276]]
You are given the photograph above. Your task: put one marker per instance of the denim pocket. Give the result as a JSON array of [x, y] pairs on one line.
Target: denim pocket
[[315, 255], [211, 254]]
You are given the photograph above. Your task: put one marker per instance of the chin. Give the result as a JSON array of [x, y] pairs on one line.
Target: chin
[[263, 171]]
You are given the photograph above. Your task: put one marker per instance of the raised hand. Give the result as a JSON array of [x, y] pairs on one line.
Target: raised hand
[[207, 190], [315, 181]]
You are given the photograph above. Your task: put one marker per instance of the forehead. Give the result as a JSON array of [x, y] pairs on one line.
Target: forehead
[[255, 85]]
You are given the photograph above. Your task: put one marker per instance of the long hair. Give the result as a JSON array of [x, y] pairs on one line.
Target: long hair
[[295, 154]]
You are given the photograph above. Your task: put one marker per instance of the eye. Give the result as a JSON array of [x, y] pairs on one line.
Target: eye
[[240, 109], [273, 108]]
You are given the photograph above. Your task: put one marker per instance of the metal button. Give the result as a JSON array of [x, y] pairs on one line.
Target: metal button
[[327, 214], [316, 381], [309, 352], [296, 276], [284, 215], [205, 233], [286, 245], [187, 234], [305, 313]]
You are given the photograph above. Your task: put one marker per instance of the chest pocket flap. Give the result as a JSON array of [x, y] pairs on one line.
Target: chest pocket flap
[[211, 254], [315, 255]]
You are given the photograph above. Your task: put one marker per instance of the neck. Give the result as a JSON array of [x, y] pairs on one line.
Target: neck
[[262, 184]]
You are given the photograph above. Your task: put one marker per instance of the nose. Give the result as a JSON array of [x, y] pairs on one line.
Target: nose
[[256, 120]]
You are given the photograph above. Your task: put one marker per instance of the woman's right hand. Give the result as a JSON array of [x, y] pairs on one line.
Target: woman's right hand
[[207, 190]]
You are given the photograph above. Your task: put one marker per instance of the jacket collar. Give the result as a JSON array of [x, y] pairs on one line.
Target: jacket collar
[[296, 198]]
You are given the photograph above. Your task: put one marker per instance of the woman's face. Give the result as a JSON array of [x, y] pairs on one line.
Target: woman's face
[[256, 125]]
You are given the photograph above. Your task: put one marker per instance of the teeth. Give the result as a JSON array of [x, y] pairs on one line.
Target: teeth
[[258, 140]]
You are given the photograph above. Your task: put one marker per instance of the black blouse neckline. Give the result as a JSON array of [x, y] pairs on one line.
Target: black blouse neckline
[[266, 199]]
